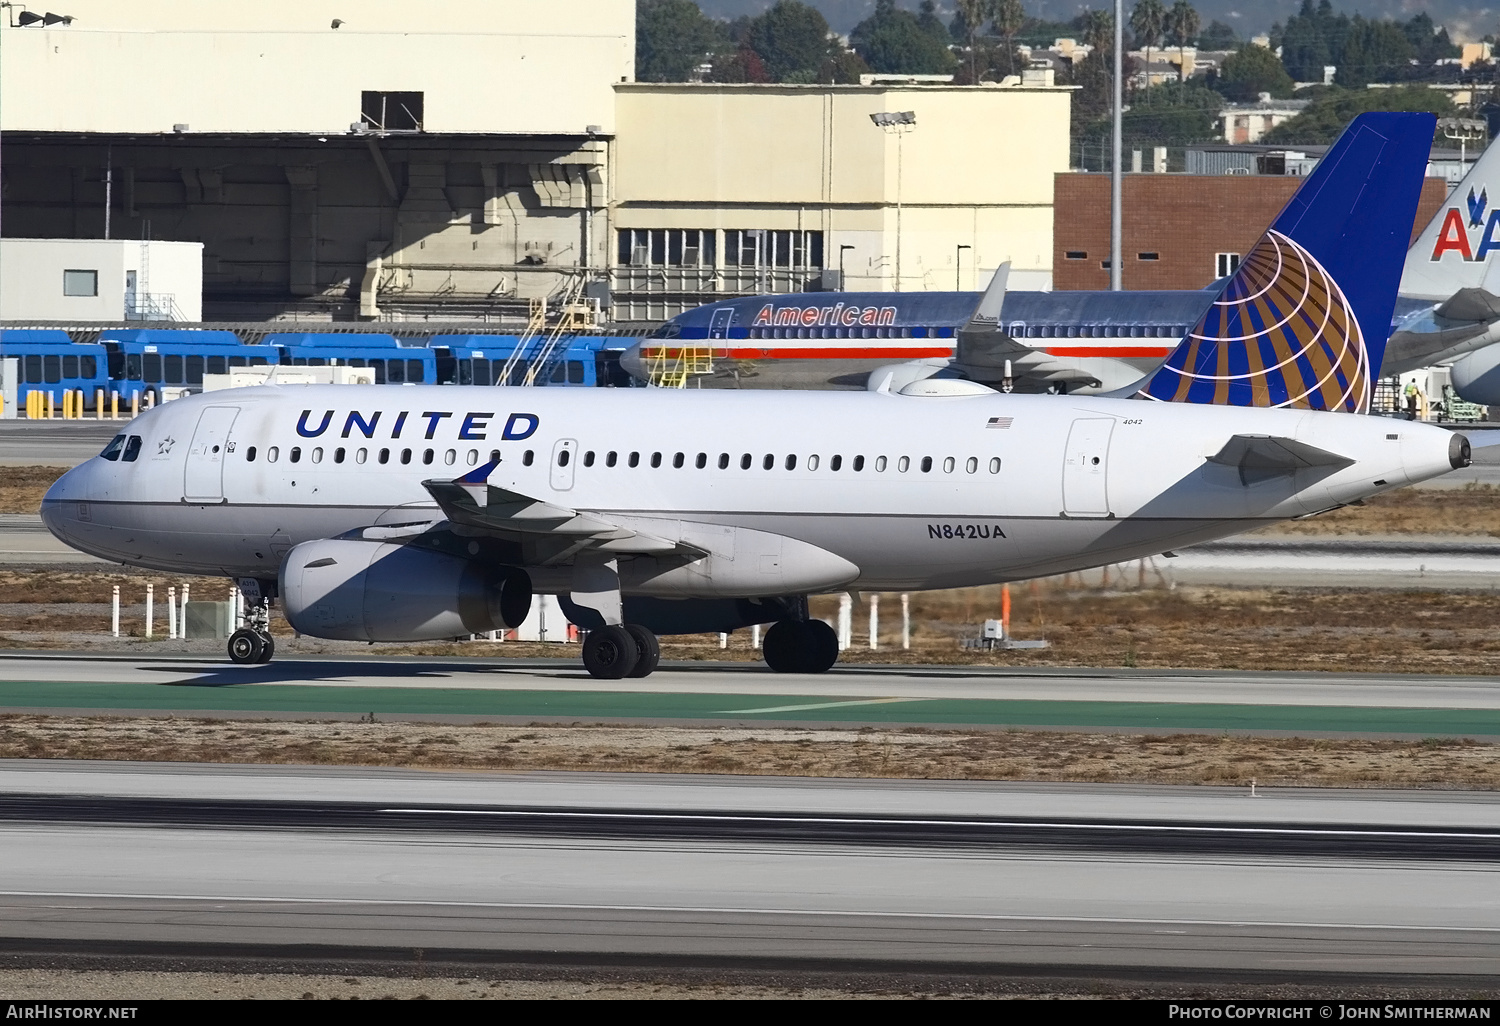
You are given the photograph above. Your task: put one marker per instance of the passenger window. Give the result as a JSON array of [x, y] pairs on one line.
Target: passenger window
[[338, 455], [414, 371], [575, 372], [588, 458], [53, 366], [745, 462], [132, 448], [635, 459], [702, 460], [611, 458], [112, 450], [317, 454], [527, 457], [250, 454], [880, 464], [677, 461], [859, 463], [173, 370], [903, 464], [835, 462], [769, 462], [70, 366], [296, 454], [723, 461], [426, 456], [655, 460], [494, 455], [273, 454], [195, 370], [217, 365], [812, 463], [972, 466], [995, 465], [385, 456], [450, 457], [563, 456], [948, 465], [791, 463], [926, 464], [405, 456], [473, 457], [360, 455]]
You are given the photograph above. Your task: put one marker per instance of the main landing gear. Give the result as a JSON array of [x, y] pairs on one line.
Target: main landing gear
[[620, 651], [801, 646], [253, 642]]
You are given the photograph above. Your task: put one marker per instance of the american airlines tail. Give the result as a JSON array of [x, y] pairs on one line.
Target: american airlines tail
[[1456, 249], [1302, 323]]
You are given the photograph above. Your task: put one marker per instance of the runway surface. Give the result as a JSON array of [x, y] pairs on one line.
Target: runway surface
[[915, 873], [746, 693]]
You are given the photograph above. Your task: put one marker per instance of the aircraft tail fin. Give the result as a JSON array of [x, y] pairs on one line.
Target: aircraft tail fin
[[1457, 248], [1302, 322]]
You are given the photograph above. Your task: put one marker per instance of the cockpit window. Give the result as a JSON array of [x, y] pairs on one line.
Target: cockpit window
[[132, 448], [112, 450]]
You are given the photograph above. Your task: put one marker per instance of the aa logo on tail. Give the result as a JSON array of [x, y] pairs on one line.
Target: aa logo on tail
[[1453, 236]]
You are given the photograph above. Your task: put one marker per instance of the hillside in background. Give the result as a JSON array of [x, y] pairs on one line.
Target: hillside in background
[[1464, 21]]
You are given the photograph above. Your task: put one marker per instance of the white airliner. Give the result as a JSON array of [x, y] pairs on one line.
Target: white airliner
[[410, 514]]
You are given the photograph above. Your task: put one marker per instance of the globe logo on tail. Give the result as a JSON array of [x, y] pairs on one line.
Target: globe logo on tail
[[1282, 334]]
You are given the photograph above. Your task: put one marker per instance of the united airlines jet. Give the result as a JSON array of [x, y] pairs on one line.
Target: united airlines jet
[[426, 513]]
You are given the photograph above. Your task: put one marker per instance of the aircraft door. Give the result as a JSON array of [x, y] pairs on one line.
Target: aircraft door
[[203, 477], [1086, 468], [564, 457], [718, 327]]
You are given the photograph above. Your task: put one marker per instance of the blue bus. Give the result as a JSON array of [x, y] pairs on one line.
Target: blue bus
[[49, 361], [393, 363], [587, 360], [146, 360]]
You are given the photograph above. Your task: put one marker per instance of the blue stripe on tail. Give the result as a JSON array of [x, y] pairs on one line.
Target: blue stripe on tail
[[1303, 321]]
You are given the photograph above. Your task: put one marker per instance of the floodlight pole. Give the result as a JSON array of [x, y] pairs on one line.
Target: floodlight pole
[[1114, 169]]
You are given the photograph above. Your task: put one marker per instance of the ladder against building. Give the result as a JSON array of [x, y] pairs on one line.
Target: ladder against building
[[671, 368]]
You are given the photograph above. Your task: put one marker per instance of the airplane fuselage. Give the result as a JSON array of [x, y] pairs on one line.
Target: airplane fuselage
[[913, 492]]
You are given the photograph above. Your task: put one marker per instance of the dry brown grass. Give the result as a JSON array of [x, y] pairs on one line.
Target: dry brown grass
[[21, 488], [770, 750], [1471, 510]]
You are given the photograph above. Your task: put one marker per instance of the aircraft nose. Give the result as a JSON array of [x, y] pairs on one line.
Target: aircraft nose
[[64, 494]]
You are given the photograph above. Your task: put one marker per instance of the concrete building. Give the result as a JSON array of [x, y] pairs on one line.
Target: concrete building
[[726, 189], [1180, 231], [335, 159], [464, 160], [79, 281], [1249, 122]]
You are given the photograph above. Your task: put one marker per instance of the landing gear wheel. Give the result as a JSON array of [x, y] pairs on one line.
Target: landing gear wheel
[[801, 646], [267, 647], [610, 653], [648, 651], [246, 646]]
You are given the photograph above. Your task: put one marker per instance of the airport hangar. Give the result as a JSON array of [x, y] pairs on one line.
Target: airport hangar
[[453, 160]]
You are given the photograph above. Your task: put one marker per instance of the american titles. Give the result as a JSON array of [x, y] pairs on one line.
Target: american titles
[[822, 316]]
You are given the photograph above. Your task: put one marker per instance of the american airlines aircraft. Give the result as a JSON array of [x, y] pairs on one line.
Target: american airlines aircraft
[[425, 513]]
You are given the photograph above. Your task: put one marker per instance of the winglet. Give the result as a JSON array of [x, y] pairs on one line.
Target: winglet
[[479, 475], [986, 316]]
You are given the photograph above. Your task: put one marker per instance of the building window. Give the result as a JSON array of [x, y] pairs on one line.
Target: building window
[[666, 247], [80, 283], [391, 112], [1148, 256], [798, 251], [1076, 254], [1225, 263]]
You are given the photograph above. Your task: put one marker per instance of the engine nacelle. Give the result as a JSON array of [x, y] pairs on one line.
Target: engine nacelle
[[351, 590], [1477, 376]]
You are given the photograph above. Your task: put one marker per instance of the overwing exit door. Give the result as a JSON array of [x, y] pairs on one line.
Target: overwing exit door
[[1086, 468], [203, 478]]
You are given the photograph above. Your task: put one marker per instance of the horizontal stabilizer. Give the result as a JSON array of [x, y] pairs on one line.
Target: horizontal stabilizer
[[1470, 305], [1260, 457]]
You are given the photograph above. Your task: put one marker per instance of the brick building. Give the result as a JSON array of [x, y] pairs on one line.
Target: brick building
[[1180, 231]]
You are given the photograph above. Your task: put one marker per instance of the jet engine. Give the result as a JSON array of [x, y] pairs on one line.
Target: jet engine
[[1477, 376], [352, 590]]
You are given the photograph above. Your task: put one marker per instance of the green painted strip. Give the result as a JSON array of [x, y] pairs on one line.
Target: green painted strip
[[594, 705], [821, 705]]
